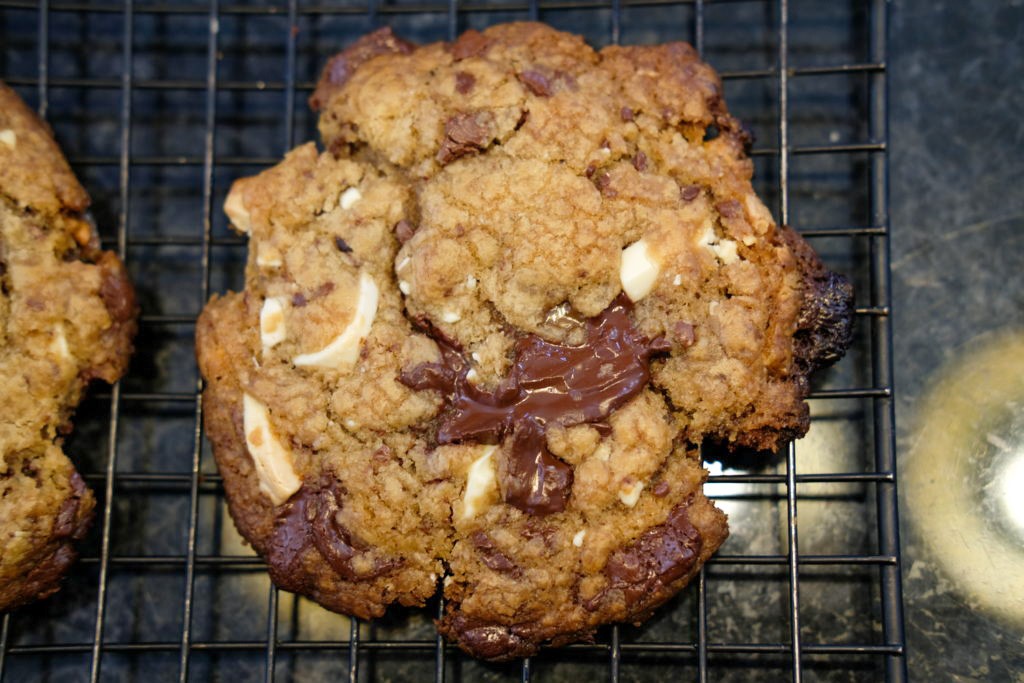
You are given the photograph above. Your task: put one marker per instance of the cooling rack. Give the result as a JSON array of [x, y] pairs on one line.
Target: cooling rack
[[160, 105]]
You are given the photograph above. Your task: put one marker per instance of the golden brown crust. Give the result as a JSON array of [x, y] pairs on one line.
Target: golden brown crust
[[67, 315]]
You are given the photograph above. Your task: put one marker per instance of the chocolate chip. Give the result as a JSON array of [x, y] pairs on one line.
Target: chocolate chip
[[464, 82], [589, 170], [603, 183], [684, 334], [342, 245], [341, 67], [661, 489], [404, 230], [536, 82], [730, 208], [689, 193], [323, 290], [626, 114], [491, 556], [299, 300], [464, 134], [640, 161], [118, 296], [472, 43]]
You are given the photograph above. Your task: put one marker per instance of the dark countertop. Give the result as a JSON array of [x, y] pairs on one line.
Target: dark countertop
[[958, 275]]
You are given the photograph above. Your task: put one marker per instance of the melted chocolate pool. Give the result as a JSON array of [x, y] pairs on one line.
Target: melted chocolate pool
[[549, 384]]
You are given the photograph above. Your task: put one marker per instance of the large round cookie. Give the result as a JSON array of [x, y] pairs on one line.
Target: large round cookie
[[67, 316], [484, 334]]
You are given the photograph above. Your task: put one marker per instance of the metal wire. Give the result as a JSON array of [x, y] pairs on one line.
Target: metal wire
[[616, 648]]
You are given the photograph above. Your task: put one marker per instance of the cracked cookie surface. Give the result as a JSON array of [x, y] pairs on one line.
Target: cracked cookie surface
[[484, 333], [67, 316]]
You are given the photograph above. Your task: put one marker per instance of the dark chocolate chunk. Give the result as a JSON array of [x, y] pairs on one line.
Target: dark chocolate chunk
[[548, 384], [689, 193], [487, 640], [404, 230], [491, 556], [64, 526], [464, 82], [117, 294], [472, 43], [662, 555], [299, 300], [683, 333], [626, 114], [730, 208], [323, 290], [661, 489], [536, 82], [309, 520], [291, 536], [640, 161], [532, 478], [342, 245], [465, 134], [341, 67]]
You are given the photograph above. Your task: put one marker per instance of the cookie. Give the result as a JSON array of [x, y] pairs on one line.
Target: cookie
[[67, 316], [484, 334]]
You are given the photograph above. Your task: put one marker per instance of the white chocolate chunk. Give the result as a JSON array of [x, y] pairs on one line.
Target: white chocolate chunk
[[450, 317], [677, 280], [472, 375], [59, 345], [275, 467], [480, 482], [638, 270], [343, 351], [349, 197], [267, 256], [629, 493], [272, 327], [707, 236], [577, 540], [9, 138], [471, 282], [236, 212], [404, 287], [725, 251]]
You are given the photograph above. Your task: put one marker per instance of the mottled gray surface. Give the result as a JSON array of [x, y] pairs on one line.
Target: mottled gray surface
[[956, 229], [958, 272]]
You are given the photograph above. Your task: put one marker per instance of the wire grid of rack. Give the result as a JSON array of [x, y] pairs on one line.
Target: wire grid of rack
[[159, 105]]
